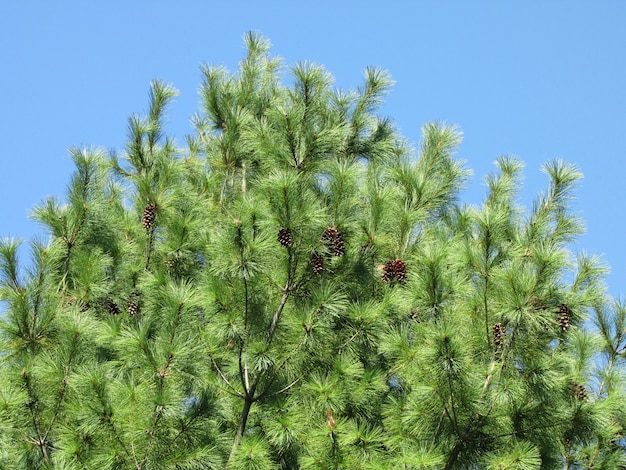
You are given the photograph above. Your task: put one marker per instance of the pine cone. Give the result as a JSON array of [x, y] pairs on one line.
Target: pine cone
[[133, 308], [339, 245], [133, 303], [149, 214], [395, 269], [400, 269], [499, 334], [335, 241], [284, 237], [112, 307], [317, 263], [579, 392], [329, 234], [564, 317], [617, 437], [388, 272]]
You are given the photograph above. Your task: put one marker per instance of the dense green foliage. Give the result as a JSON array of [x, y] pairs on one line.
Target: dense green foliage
[[298, 288]]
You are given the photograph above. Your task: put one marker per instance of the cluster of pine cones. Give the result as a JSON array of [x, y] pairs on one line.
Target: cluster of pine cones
[[336, 245], [332, 238], [113, 308]]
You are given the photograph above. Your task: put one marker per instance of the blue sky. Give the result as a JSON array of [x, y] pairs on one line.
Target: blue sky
[[539, 80]]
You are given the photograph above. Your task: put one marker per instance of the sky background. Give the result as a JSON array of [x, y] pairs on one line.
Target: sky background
[[535, 79]]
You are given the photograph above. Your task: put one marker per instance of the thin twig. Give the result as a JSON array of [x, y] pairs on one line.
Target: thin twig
[[284, 389], [221, 374]]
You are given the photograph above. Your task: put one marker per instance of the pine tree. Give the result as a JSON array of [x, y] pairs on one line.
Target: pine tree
[[298, 288]]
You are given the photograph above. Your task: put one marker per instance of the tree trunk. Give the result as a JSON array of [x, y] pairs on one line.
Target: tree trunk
[[247, 404]]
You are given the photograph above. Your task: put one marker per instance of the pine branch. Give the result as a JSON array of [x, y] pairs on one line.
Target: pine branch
[[278, 312], [32, 403], [437, 432], [352, 338], [235, 392], [9, 263], [107, 418], [452, 407], [149, 243], [476, 421], [250, 388], [245, 377], [486, 287], [61, 396], [286, 359], [34, 332], [282, 390], [243, 371], [270, 382], [162, 373]]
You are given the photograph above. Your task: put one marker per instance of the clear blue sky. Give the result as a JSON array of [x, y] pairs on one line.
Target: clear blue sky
[[538, 80]]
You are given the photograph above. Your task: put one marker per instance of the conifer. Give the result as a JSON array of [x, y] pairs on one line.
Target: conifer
[[314, 296]]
